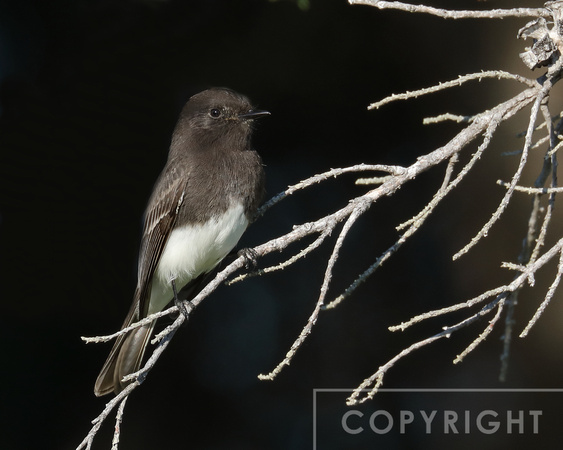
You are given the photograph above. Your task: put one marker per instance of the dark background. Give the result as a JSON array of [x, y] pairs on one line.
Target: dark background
[[89, 95]]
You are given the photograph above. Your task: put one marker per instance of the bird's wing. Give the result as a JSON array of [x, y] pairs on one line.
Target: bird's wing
[[160, 218]]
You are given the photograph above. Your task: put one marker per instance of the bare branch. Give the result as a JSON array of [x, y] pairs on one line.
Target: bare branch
[[547, 299], [504, 203], [147, 320], [284, 264], [333, 173], [445, 117], [98, 421], [118, 420], [519, 281], [453, 83], [500, 305], [488, 121], [377, 378], [532, 190], [360, 208], [452, 14]]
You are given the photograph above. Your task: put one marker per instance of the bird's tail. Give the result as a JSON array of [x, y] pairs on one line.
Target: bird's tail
[[124, 358]]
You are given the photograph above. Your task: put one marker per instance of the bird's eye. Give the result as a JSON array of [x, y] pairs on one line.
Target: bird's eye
[[215, 112]]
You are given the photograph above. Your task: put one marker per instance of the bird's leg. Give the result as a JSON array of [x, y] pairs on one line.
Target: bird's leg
[[183, 307]]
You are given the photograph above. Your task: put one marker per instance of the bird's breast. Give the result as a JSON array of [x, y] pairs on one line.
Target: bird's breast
[[193, 249]]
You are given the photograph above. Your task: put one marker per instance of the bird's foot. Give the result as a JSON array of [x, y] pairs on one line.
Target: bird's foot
[[185, 307], [250, 257]]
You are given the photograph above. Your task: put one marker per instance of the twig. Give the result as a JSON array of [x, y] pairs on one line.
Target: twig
[[547, 299], [486, 121], [451, 14], [333, 173], [360, 208], [500, 306], [541, 125], [377, 378], [452, 83], [532, 190], [445, 190], [98, 421], [517, 282], [284, 264], [145, 321], [118, 420], [506, 199], [556, 148], [395, 247], [445, 117], [533, 242], [449, 309]]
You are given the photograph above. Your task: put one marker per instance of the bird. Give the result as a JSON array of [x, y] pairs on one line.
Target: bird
[[201, 204]]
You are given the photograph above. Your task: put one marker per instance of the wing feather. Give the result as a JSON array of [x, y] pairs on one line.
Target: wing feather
[[160, 218]]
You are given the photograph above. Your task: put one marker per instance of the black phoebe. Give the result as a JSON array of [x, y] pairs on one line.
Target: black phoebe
[[201, 204]]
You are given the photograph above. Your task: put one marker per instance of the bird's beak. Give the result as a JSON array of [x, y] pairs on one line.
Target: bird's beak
[[254, 114]]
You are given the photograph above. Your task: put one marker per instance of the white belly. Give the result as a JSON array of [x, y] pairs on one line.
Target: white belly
[[193, 250]]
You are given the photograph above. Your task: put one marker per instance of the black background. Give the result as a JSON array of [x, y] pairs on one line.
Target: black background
[[89, 95]]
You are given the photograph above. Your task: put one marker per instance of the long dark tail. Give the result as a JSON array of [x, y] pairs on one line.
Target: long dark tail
[[128, 351], [124, 358]]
